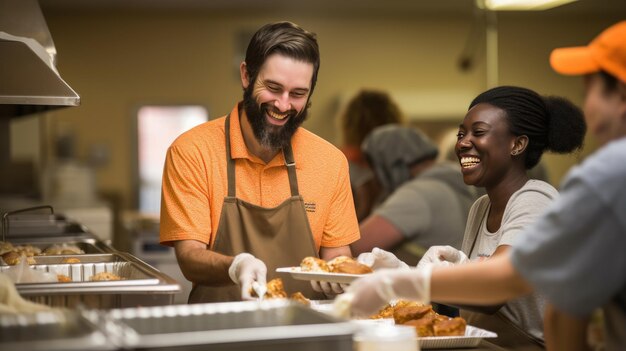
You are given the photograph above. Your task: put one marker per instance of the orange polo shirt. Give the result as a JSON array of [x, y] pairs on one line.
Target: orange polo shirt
[[195, 184]]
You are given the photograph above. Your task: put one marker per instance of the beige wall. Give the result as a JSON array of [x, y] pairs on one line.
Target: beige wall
[[117, 61]]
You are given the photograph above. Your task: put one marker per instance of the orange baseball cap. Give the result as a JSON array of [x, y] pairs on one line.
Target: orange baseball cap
[[606, 52]]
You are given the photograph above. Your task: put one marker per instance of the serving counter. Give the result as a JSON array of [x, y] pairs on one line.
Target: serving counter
[[267, 325], [58, 246]]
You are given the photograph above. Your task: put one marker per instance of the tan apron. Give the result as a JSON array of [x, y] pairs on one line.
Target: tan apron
[[279, 236]]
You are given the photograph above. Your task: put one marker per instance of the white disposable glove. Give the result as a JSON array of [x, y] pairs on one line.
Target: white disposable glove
[[245, 270], [328, 288], [368, 294], [380, 258], [441, 256]]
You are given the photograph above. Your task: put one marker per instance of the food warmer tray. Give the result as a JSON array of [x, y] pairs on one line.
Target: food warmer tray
[[51, 331], [251, 325], [142, 284]]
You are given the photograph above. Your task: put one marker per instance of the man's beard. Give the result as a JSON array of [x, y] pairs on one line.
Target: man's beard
[[269, 135]]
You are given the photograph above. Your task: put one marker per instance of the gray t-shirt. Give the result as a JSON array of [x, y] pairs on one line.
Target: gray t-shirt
[[522, 209], [432, 208], [575, 254]]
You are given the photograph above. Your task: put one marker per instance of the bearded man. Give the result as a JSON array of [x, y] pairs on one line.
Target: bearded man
[[252, 191]]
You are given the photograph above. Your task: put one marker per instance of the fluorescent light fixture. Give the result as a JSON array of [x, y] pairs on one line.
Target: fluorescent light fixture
[[521, 5]]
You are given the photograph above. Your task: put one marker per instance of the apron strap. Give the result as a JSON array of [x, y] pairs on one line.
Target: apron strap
[[230, 165], [291, 169]]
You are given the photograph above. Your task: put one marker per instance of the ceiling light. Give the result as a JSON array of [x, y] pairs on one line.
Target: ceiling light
[[520, 5]]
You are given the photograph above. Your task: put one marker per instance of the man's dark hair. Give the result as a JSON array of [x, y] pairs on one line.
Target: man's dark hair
[[287, 39]]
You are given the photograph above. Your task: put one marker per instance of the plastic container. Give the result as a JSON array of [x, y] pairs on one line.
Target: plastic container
[[384, 337]]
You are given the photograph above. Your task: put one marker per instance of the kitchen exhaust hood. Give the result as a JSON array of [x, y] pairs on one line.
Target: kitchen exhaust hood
[[29, 80]]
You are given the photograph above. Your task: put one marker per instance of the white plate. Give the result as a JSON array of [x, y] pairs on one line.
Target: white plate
[[297, 273], [472, 337]]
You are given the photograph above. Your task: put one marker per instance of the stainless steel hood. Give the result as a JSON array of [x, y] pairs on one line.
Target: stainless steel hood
[[29, 80]]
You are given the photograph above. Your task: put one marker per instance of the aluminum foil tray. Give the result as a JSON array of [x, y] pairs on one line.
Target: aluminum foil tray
[[54, 330], [81, 273], [265, 325]]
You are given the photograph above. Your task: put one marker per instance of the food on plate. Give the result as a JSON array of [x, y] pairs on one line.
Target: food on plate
[[70, 260], [298, 297], [12, 258], [104, 276], [63, 249], [409, 312], [449, 327], [63, 278], [314, 264], [351, 267], [423, 326], [340, 264], [385, 312], [423, 318]]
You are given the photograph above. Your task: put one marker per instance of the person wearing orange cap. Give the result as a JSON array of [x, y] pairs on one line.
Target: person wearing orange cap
[[574, 253]]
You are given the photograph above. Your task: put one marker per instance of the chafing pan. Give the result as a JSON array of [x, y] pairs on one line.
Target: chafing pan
[[54, 330], [141, 284], [266, 325]]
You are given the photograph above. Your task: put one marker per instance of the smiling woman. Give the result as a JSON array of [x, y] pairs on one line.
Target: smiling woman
[[503, 135]]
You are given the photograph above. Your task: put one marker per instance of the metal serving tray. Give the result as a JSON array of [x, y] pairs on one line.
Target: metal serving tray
[[84, 258], [40, 225], [53, 330], [142, 284], [251, 325], [81, 273]]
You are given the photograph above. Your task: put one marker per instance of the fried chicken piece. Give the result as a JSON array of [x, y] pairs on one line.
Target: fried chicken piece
[[385, 312], [450, 327], [276, 289], [298, 297], [5, 247], [314, 264], [423, 326], [409, 312], [12, 258], [353, 267], [347, 265]]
